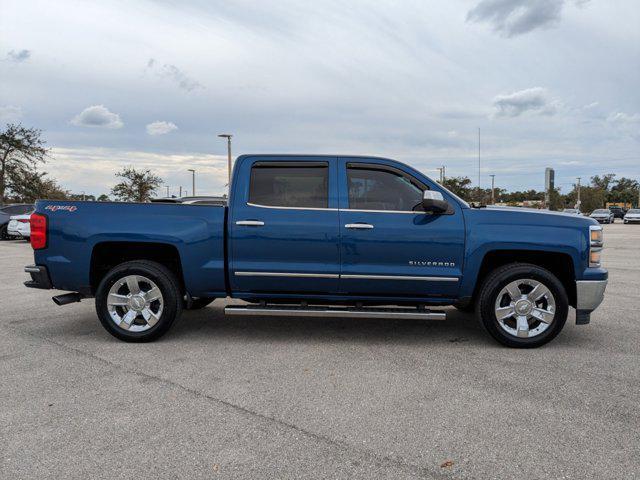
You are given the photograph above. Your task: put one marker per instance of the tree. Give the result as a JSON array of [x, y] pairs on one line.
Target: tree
[[137, 186], [556, 200], [21, 150], [104, 198], [458, 185], [625, 190], [29, 186], [590, 199], [605, 182]]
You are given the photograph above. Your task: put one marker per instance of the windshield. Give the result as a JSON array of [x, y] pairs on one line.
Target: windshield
[[570, 210], [605, 212], [634, 210]]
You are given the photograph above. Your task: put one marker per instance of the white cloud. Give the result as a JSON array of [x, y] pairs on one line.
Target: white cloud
[[10, 113], [515, 17], [626, 123], [97, 116], [173, 73], [161, 128], [534, 100], [19, 55], [622, 118]]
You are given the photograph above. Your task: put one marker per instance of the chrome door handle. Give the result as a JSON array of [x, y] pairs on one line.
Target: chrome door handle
[[360, 226], [250, 223]]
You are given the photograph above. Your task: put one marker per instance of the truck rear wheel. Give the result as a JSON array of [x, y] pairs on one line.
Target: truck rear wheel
[[522, 305], [138, 301]]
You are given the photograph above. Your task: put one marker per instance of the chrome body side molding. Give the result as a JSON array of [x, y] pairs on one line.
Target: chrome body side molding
[[346, 276], [286, 274]]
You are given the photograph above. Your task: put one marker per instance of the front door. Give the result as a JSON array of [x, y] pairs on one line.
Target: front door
[[390, 247], [284, 226]]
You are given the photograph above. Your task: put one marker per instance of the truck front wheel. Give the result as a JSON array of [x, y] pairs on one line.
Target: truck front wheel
[[522, 305], [138, 301]]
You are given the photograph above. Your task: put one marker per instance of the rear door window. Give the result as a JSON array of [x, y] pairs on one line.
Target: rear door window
[[290, 184]]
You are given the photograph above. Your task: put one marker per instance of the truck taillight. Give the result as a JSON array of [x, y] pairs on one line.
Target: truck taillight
[[38, 233]]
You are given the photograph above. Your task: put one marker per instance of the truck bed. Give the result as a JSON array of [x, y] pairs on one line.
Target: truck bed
[[79, 231]]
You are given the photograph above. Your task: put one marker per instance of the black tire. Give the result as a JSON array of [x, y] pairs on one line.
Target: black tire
[[506, 274], [166, 282], [3, 233], [198, 303]]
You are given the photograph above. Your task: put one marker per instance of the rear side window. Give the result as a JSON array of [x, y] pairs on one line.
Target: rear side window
[[379, 189], [289, 184]]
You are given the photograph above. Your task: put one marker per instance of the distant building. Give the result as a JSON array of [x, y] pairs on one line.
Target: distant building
[[549, 184]]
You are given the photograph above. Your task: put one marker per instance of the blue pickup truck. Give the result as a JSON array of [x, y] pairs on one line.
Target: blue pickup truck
[[334, 236]]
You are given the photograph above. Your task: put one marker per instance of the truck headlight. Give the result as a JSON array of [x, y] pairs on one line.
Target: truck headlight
[[596, 236], [596, 241]]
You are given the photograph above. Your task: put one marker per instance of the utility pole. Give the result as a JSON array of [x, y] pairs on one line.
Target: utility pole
[[441, 170], [180, 191], [493, 195], [167, 191], [193, 181], [578, 196], [228, 137]]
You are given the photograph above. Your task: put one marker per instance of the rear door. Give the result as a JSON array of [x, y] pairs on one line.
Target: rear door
[[284, 233], [390, 246]]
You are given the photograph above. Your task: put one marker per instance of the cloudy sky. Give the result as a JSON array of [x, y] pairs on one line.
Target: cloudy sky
[[150, 84]]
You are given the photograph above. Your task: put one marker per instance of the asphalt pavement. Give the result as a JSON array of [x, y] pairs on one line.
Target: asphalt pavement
[[318, 398]]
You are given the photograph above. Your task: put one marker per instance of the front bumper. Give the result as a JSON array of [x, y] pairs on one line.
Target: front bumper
[[589, 296], [39, 277], [632, 220]]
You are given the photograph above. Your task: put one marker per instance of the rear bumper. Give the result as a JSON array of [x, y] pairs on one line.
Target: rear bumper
[[589, 296], [39, 277]]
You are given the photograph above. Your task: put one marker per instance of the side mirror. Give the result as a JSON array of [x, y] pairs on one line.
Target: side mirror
[[434, 202]]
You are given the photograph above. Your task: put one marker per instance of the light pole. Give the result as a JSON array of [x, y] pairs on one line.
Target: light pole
[[493, 195], [578, 196], [167, 191], [441, 170], [228, 137], [180, 191], [193, 181]]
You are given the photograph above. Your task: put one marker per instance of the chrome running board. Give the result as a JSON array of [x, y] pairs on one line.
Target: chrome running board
[[335, 312]]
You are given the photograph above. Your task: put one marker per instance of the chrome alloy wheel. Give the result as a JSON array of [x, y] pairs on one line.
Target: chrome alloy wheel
[[525, 308], [135, 303]]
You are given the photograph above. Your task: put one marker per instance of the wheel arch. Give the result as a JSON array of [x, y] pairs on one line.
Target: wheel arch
[[106, 255], [558, 263]]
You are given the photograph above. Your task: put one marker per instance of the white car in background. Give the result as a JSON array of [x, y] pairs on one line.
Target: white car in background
[[632, 216], [19, 226]]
